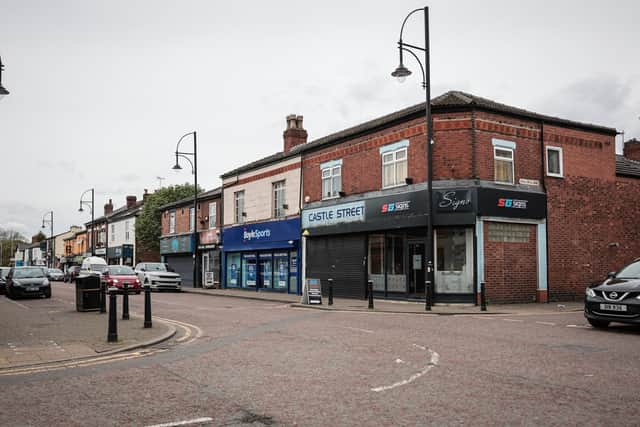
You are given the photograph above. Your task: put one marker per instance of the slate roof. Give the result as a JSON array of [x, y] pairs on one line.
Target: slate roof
[[201, 196], [627, 167], [119, 213], [449, 101]]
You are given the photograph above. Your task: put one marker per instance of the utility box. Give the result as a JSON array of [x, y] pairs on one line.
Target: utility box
[[88, 293]]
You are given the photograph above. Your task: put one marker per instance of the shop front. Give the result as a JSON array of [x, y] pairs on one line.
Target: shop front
[[209, 253], [120, 255], [177, 251], [262, 256]]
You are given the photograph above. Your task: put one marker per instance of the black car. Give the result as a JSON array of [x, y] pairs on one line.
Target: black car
[[3, 278], [28, 281], [72, 273], [617, 299]]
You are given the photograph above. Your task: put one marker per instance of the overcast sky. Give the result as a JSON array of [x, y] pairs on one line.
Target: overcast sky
[[102, 90]]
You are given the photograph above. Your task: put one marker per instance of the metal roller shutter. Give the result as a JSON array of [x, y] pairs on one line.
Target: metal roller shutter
[[342, 258], [183, 265]]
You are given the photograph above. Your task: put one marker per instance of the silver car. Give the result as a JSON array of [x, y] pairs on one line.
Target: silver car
[[158, 276]]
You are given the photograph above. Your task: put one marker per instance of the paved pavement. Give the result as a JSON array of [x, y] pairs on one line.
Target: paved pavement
[[36, 331], [392, 306]]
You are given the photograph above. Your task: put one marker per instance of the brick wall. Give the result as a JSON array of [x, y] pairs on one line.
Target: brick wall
[[182, 217], [511, 274]]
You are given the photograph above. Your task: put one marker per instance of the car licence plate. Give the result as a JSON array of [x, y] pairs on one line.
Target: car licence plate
[[32, 288], [613, 307]]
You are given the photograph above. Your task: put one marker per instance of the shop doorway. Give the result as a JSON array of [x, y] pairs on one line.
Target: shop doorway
[[416, 269], [454, 265]]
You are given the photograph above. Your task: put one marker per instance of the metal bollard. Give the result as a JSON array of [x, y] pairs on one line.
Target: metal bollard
[[370, 292], [125, 301], [112, 335], [427, 295], [147, 306], [330, 291], [483, 298], [103, 297]]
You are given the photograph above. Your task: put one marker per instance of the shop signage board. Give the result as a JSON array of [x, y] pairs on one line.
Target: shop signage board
[[511, 204], [333, 215], [260, 235], [454, 201], [314, 289], [176, 244]]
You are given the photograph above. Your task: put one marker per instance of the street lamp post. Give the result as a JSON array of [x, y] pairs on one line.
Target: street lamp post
[[90, 205], [3, 91], [194, 170], [401, 73], [51, 247]]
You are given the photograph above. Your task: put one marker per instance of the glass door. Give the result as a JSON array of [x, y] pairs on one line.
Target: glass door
[[416, 269], [266, 271], [249, 270], [454, 264], [281, 270]]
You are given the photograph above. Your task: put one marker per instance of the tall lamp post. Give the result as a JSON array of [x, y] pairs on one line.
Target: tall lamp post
[[401, 73], [3, 91], [194, 170], [90, 205], [51, 247]]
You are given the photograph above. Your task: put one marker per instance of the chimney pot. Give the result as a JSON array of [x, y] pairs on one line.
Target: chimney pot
[[131, 201], [294, 134], [108, 208]]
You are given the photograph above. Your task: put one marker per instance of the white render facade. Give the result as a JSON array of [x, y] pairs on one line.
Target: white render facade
[[122, 235]]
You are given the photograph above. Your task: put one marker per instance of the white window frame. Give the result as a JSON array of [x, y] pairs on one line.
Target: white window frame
[[278, 189], [213, 215], [238, 206], [395, 162], [332, 172], [505, 159], [172, 222], [192, 219], [559, 151]]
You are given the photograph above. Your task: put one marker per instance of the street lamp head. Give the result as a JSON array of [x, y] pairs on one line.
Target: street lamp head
[[177, 167], [401, 73], [80, 210]]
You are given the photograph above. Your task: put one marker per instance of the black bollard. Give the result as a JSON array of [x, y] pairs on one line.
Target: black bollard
[[112, 335], [147, 306], [125, 301], [483, 298], [103, 297], [427, 295], [370, 291], [330, 291]]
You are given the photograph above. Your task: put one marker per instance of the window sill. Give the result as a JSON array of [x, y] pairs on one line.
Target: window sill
[[331, 198], [554, 175], [511, 184], [404, 184]]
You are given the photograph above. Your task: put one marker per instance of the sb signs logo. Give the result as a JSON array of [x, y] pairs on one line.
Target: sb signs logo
[[396, 207], [512, 203]]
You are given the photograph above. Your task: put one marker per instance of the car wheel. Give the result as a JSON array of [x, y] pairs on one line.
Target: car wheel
[[47, 294], [600, 324]]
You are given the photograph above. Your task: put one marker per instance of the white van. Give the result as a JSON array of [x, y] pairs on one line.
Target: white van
[[93, 265]]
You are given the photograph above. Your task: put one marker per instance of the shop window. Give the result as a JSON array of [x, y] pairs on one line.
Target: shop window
[[394, 168], [213, 215], [233, 270], [503, 165], [281, 270], [376, 261], [554, 162], [238, 207], [451, 250], [249, 271], [396, 272], [331, 181], [293, 272], [278, 199], [172, 222], [266, 271]]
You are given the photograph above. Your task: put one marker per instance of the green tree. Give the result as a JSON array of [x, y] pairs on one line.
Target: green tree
[[39, 237], [9, 240], [148, 223]]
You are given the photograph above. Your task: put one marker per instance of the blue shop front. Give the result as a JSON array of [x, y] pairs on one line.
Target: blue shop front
[[262, 256]]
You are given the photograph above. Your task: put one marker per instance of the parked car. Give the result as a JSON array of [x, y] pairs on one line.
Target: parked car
[[3, 278], [55, 274], [27, 281], [159, 276], [118, 275], [93, 265], [617, 299], [72, 273]]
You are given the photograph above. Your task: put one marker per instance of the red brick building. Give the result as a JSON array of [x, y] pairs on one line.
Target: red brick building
[[176, 242]]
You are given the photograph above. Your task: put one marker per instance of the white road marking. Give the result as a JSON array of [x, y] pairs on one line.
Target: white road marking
[[18, 304], [400, 361], [546, 323], [358, 329], [513, 320], [420, 347], [184, 423], [580, 326], [435, 357]]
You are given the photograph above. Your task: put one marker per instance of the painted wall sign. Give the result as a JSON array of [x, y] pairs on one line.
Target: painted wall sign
[[332, 215], [454, 201]]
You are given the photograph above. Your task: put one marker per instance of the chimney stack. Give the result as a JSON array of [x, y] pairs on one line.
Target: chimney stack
[[145, 195], [631, 149], [295, 133], [131, 201], [108, 208]]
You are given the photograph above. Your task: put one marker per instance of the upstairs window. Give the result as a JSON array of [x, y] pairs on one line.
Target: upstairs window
[[212, 215], [126, 231], [278, 199], [394, 168], [113, 232], [192, 219], [172, 222], [331, 179], [503, 165], [554, 162], [238, 202]]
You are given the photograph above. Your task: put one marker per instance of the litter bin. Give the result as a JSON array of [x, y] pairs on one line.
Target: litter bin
[[88, 293]]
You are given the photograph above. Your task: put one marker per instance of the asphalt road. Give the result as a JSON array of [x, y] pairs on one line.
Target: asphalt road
[[264, 363]]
